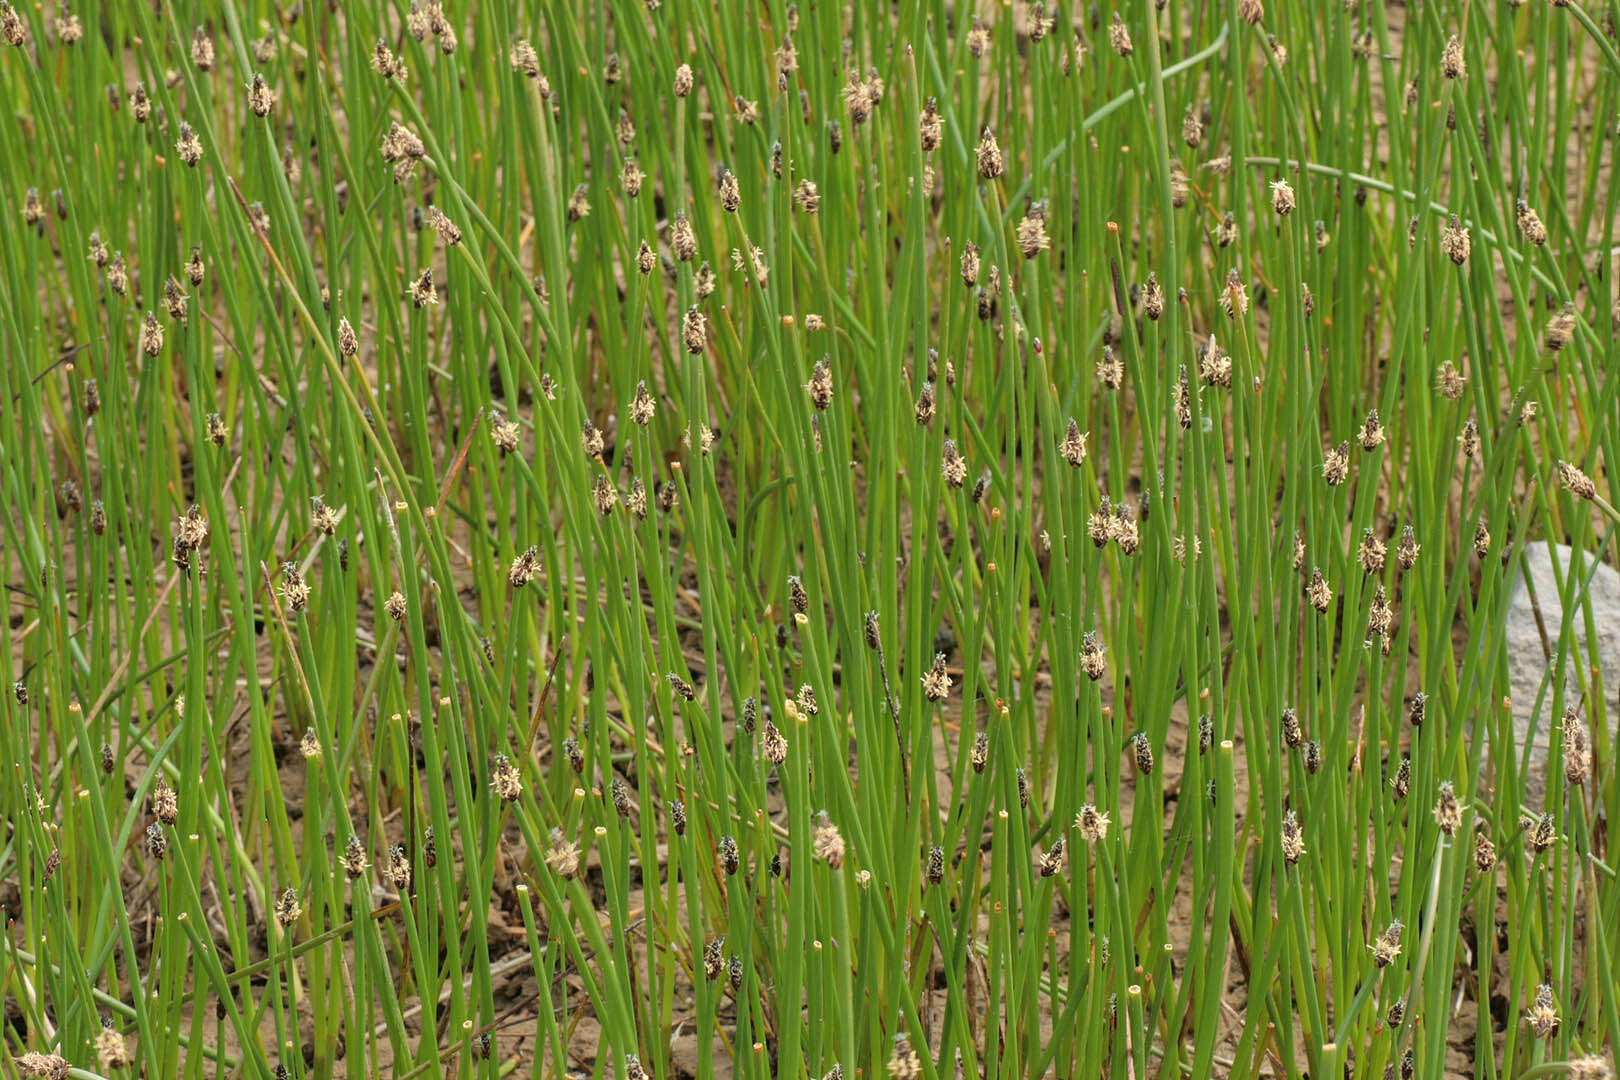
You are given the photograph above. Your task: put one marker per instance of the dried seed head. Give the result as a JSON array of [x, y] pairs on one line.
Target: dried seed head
[[1529, 222], [1293, 838], [924, 410], [111, 1050], [635, 500], [68, 493], [1101, 524], [309, 744], [1482, 537], [117, 275], [1576, 482], [69, 28], [1313, 757], [1447, 810], [1387, 947], [260, 97], [1180, 185], [505, 434], [935, 865], [151, 336], [1318, 592], [323, 519], [157, 844], [1380, 618], [402, 149], [1371, 435], [1484, 853], [1073, 446], [1561, 328], [423, 292], [1454, 241], [680, 687], [937, 682], [727, 851], [1401, 785], [952, 466], [1182, 401], [1539, 834], [1251, 11], [398, 870], [988, 156], [524, 568], [713, 958], [1091, 656], [35, 1065], [1282, 198], [188, 147], [619, 792], [970, 264], [1406, 552], [448, 230], [1143, 751], [1234, 298], [806, 700], [730, 192], [1577, 754], [1336, 464], [773, 743], [1469, 439], [930, 126], [1214, 364], [1542, 1017], [1452, 65], [165, 803], [294, 589], [858, 100], [978, 39], [1092, 824], [579, 205], [694, 330], [354, 860], [828, 843], [174, 300], [140, 106], [604, 495], [394, 606], [904, 1064], [1111, 369], [870, 629], [1031, 235], [504, 780], [1293, 735], [820, 386], [1052, 861], [1119, 36], [1192, 128], [1449, 381], [980, 755]]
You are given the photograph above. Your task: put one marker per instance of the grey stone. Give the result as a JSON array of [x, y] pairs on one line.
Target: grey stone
[[1527, 654]]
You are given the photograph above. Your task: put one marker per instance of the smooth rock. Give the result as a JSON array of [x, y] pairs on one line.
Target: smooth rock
[[1527, 657]]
